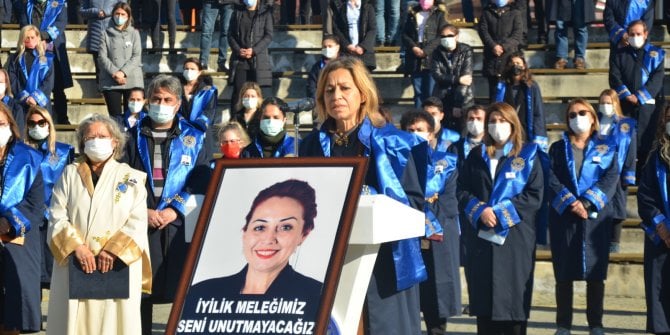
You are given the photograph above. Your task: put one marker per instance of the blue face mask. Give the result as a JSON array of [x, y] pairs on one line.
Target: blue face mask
[[249, 3], [501, 3]]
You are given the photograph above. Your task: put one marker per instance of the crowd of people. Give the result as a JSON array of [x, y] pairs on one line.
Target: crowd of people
[[486, 176]]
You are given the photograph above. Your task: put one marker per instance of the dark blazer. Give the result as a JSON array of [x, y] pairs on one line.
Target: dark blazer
[[503, 26], [367, 29], [431, 36], [260, 39]]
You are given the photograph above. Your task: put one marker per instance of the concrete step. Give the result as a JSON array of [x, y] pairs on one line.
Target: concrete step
[[292, 38], [301, 60]]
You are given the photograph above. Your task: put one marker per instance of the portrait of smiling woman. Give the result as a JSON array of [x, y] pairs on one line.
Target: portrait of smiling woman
[[280, 219]]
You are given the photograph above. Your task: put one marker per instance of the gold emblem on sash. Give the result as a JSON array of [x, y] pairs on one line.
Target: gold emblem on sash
[[653, 53], [602, 149], [625, 127], [518, 164], [54, 4], [189, 141]]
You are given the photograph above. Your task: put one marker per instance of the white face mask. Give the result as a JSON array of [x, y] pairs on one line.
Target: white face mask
[[448, 43], [667, 128], [120, 20], [500, 132], [38, 133], [475, 128], [5, 135], [606, 109], [135, 106], [580, 124], [98, 149], [250, 103], [161, 114], [190, 75], [329, 53], [271, 127], [3, 88], [636, 41], [422, 134]]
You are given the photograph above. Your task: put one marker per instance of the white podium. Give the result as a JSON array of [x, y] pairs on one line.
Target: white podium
[[378, 219]]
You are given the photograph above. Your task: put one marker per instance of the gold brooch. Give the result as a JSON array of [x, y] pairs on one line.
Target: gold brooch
[[341, 139]]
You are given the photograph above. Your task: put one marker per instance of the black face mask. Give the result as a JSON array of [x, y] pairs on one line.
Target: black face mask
[[517, 70]]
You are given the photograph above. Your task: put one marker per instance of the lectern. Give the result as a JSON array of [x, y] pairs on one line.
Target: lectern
[[378, 219]]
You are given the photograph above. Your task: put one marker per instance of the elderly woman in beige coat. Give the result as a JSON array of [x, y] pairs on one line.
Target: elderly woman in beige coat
[[98, 222]]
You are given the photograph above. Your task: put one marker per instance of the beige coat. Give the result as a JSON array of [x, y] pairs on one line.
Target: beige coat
[[117, 224]]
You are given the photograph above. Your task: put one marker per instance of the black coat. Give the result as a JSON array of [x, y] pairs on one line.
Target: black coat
[[313, 78], [499, 26], [562, 10], [447, 70], [260, 39], [367, 29], [431, 37], [615, 14], [501, 276], [580, 248], [656, 257]]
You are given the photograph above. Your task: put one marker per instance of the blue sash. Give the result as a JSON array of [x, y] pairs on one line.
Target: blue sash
[[391, 149], [52, 9], [197, 116], [621, 134], [598, 157], [52, 167], [440, 168], [446, 138], [650, 228], [21, 167], [636, 10], [653, 58], [510, 181], [38, 72], [287, 147], [184, 150]]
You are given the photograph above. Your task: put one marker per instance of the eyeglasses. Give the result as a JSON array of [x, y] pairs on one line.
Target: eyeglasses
[[40, 123], [231, 141], [88, 138], [582, 112]]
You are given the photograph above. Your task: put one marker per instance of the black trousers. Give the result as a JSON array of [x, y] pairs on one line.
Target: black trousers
[[616, 230], [59, 98], [595, 296], [486, 326], [152, 18], [117, 101], [435, 324]]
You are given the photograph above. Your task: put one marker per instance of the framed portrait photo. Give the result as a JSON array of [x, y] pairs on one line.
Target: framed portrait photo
[[268, 247]]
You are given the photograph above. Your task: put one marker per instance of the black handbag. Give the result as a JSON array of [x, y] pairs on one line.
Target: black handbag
[[97, 285]]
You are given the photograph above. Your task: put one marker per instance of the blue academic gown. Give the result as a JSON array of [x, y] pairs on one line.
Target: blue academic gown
[[21, 203], [653, 205], [18, 113], [619, 14], [530, 109], [580, 248], [501, 276], [186, 159], [624, 134], [37, 84], [393, 170], [122, 120], [441, 293], [52, 167], [53, 24]]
